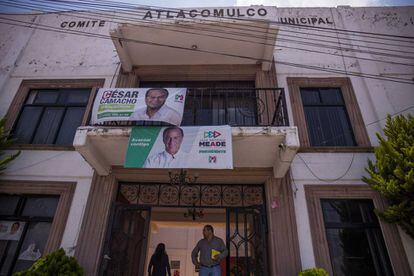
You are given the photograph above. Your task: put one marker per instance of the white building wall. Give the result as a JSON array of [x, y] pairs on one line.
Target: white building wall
[[26, 54], [36, 54], [376, 98]]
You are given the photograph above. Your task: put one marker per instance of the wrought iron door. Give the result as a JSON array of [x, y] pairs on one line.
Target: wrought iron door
[[126, 243], [246, 241]]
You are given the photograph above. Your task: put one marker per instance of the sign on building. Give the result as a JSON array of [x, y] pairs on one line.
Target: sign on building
[[180, 147], [139, 104]]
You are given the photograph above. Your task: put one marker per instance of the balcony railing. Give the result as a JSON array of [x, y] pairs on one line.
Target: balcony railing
[[245, 107]]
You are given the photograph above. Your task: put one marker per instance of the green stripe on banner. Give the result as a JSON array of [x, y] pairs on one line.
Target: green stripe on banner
[[139, 146]]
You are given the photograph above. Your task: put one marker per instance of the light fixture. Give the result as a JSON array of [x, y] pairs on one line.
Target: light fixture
[[194, 213], [194, 47], [181, 179]]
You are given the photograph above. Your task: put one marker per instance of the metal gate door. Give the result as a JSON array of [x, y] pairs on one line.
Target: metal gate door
[[246, 241], [126, 243]]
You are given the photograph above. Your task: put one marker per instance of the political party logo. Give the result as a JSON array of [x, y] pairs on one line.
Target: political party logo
[[179, 98], [212, 159], [211, 134]]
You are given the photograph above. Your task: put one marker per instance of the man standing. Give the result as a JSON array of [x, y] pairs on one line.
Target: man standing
[[171, 157], [155, 109], [212, 251]]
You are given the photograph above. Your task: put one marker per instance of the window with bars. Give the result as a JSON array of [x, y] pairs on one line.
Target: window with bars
[[326, 117], [51, 116], [354, 236], [25, 223], [216, 102]]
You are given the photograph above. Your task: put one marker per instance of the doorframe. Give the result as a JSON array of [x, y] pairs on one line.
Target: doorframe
[[284, 256]]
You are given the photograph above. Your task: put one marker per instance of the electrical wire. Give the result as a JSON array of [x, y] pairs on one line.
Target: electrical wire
[[326, 179], [93, 5], [135, 12], [392, 115], [288, 47], [311, 67], [112, 4]]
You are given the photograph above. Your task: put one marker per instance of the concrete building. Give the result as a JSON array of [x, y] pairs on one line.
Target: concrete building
[[319, 84]]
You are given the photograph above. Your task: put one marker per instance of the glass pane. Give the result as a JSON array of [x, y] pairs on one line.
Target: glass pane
[[328, 126], [354, 208], [73, 119], [334, 211], [33, 245], [75, 96], [40, 206], [8, 204], [7, 252], [331, 96], [27, 124], [49, 125], [46, 96], [350, 252], [32, 96], [367, 210], [310, 96]]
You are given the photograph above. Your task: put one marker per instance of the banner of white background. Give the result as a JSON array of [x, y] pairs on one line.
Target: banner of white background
[[135, 104]]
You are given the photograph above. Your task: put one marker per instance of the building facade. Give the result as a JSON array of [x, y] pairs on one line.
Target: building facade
[[303, 89]]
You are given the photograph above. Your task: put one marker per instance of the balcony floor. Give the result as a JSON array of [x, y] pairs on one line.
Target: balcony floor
[[253, 147]]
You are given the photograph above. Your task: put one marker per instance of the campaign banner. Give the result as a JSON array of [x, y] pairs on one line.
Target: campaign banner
[[139, 104], [11, 230], [208, 147]]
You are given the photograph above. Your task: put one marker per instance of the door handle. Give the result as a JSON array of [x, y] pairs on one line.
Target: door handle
[[106, 257]]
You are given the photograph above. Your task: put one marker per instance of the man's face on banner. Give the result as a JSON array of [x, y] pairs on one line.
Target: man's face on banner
[[172, 141], [155, 99]]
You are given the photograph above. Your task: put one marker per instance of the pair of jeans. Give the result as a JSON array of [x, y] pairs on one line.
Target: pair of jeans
[[210, 271]]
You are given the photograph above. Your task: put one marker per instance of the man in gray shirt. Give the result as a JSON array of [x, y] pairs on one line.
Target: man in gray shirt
[[212, 250]]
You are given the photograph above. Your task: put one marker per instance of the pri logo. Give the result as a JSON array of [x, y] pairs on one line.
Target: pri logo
[[179, 98], [211, 134], [107, 94], [212, 159]]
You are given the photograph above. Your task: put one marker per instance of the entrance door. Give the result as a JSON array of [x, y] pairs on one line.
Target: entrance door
[[246, 241], [125, 248]]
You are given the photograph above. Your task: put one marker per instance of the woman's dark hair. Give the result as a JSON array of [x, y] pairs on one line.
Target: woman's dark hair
[[160, 251]]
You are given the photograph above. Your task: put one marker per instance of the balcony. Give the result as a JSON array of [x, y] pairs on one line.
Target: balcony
[[261, 134]]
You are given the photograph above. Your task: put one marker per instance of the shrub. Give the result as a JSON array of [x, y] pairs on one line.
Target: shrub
[[314, 272], [392, 174], [54, 264]]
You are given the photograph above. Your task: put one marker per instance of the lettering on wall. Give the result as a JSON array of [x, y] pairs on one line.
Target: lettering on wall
[[305, 20], [230, 12], [82, 24]]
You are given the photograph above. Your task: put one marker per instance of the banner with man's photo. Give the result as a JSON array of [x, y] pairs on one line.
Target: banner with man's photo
[[207, 147], [139, 104], [11, 230]]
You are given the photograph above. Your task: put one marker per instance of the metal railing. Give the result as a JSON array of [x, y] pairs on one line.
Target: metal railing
[[230, 106]]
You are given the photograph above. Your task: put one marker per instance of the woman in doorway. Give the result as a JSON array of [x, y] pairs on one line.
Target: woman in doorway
[[159, 264]]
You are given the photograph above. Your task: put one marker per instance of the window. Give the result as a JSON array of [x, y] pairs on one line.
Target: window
[[326, 117], [48, 112], [216, 102], [326, 113], [355, 241], [347, 237], [25, 223], [51, 116]]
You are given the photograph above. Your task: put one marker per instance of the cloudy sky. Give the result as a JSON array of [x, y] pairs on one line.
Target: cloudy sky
[[224, 3]]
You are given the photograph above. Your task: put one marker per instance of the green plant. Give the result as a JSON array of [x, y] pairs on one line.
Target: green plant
[[314, 272], [392, 174], [54, 264], [5, 142]]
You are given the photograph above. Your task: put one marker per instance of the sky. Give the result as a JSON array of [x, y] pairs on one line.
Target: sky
[[226, 3]]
